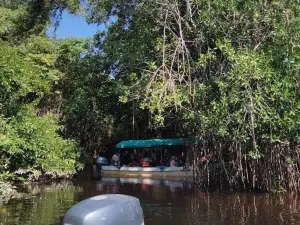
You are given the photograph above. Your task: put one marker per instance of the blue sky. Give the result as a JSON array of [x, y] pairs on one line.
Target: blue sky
[[74, 26]]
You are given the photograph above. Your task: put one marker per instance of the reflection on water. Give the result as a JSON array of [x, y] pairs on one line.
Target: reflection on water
[[44, 205], [164, 202]]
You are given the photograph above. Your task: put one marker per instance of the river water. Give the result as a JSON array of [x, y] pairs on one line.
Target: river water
[[163, 202]]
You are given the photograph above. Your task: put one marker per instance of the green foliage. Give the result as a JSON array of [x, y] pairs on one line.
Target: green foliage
[[33, 142], [17, 89], [22, 19], [227, 71], [31, 66], [7, 177], [28, 140], [91, 103]]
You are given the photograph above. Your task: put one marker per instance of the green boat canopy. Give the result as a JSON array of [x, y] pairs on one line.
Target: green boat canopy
[[157, 142]]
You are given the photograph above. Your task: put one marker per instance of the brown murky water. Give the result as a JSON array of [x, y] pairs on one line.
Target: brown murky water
[[163, 202]]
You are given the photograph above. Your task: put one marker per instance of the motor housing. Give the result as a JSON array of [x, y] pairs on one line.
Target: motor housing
[[101, 161], [110, 209]]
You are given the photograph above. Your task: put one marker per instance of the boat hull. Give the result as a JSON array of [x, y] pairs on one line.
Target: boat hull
[[151, 172]]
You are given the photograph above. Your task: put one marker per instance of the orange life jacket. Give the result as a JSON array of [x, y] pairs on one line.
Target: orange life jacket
[[145, 163]]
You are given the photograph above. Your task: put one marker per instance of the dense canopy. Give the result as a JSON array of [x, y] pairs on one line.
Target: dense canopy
[[227, 72]]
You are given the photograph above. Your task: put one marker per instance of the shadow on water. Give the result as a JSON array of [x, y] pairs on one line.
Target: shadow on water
[[164, 202]]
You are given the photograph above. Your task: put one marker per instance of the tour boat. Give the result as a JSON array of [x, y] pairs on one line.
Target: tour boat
[[154, 172]]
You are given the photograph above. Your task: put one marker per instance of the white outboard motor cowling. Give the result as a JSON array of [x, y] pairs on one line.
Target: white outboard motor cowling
[[111, 209]]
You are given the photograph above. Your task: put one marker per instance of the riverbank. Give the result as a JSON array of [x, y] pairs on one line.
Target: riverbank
[[12, 183], [7, 191]]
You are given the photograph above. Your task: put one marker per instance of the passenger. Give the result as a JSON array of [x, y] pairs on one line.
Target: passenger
[[146, 162], [115, 159], [173, 162], [134, 163], [125, 158], [203, 159]]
